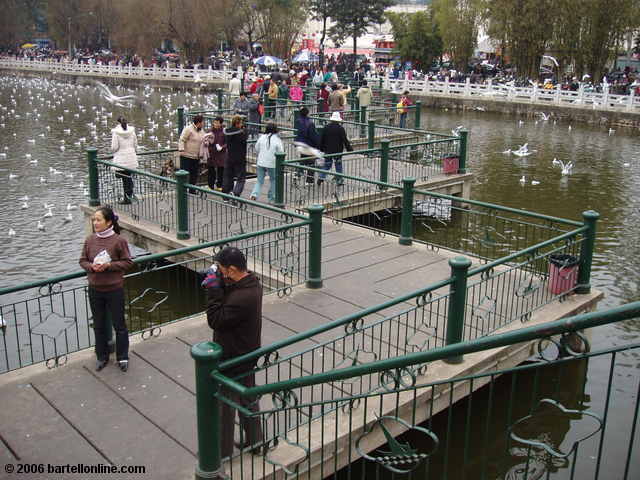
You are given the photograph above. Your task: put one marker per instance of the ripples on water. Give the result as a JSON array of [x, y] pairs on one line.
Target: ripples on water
[[600, 180], [37, 118]]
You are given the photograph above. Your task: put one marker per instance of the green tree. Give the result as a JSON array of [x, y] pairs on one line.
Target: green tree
[[525, 29], [353, 17], [321, 11], [416, 37], [458, 25]]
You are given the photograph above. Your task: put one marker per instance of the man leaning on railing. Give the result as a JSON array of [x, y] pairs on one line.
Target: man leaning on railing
[[234, 312]]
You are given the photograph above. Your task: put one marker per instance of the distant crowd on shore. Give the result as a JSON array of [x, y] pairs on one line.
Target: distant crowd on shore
[[618, 81]]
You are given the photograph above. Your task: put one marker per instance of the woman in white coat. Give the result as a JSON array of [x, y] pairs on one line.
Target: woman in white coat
[[124, 144], [266, 147]]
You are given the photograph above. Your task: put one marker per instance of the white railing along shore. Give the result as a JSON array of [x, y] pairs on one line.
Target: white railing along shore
[[535, 95], [119, 71]]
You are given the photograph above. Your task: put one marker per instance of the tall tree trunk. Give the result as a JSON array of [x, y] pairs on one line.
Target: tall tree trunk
[[324, 34]]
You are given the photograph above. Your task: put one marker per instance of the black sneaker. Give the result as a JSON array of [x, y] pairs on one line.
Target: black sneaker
[[320, 181], [124, 201], [124, 365], [100, 364]]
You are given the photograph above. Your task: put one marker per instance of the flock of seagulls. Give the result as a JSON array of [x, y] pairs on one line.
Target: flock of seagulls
[[67, 118], [524, 151]]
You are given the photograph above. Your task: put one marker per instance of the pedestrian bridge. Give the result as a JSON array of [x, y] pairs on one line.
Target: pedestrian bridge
[[372, 321]]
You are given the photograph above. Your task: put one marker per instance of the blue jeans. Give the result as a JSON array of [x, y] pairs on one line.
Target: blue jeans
[[262, 172], [327, 166], [403, 119]]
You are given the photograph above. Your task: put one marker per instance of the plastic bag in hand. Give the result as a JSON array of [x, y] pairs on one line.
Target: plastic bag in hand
[[102, 258]]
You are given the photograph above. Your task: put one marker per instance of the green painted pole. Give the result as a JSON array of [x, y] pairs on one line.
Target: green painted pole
[[182, 205], [406, 222], [219, 92], [315, 247], [464, 142], [457, 302], [180, 120], [586, 252], [207, 356], [279, 200], [94, 186], [418, 112], [384, 160], [372, 134]]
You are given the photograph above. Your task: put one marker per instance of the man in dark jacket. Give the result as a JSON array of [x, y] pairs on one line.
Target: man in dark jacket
[[334, 140], [235, 167], [234, 312], [306, 141]]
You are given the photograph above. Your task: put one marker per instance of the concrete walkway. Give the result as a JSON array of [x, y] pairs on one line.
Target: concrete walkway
[[73, 415]]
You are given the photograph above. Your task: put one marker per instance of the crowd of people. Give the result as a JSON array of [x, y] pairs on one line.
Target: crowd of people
[[619, 81]]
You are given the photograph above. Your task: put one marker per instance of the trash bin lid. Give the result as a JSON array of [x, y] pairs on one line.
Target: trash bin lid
[[563, 260]]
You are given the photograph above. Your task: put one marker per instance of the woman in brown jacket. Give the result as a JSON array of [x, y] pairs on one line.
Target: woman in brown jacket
[[105, 257]]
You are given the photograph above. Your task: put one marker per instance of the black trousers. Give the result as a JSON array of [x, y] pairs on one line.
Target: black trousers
[[215, 176], [191, 165], [127, 183], [251, 426], [235, 174], [309, 162], [112, 302]]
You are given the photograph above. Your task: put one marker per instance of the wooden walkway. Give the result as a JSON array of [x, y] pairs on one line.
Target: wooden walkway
[[73, 415]]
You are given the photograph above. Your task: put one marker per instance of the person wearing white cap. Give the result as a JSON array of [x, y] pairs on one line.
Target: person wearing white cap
[[334, 140]]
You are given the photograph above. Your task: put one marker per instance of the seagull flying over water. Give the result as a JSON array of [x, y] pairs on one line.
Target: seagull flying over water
[[123, 101]]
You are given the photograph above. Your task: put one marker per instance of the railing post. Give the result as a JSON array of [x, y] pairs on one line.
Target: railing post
[[462, 160], [219, 92], [372, 134], [406, 222], [586, 252], [180, 120], [418, 112], [279, 200], [94, 186], [457, 301], [363, 120], [182, 206], [384, 160], [207, 356], [314, 279]]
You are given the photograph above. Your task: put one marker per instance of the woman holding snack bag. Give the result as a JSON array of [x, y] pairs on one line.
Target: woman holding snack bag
[[105, 256]]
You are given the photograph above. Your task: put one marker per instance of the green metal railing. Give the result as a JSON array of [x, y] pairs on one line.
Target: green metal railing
[[314, 424], [46, 320]]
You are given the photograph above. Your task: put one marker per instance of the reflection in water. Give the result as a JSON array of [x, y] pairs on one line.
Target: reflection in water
[[474, 434]]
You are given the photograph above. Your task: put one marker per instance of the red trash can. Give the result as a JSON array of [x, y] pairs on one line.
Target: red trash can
[[563, 273], [450, 164]]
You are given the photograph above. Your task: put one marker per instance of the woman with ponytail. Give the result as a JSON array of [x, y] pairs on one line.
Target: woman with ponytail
[[124, 144], [105, 257]]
